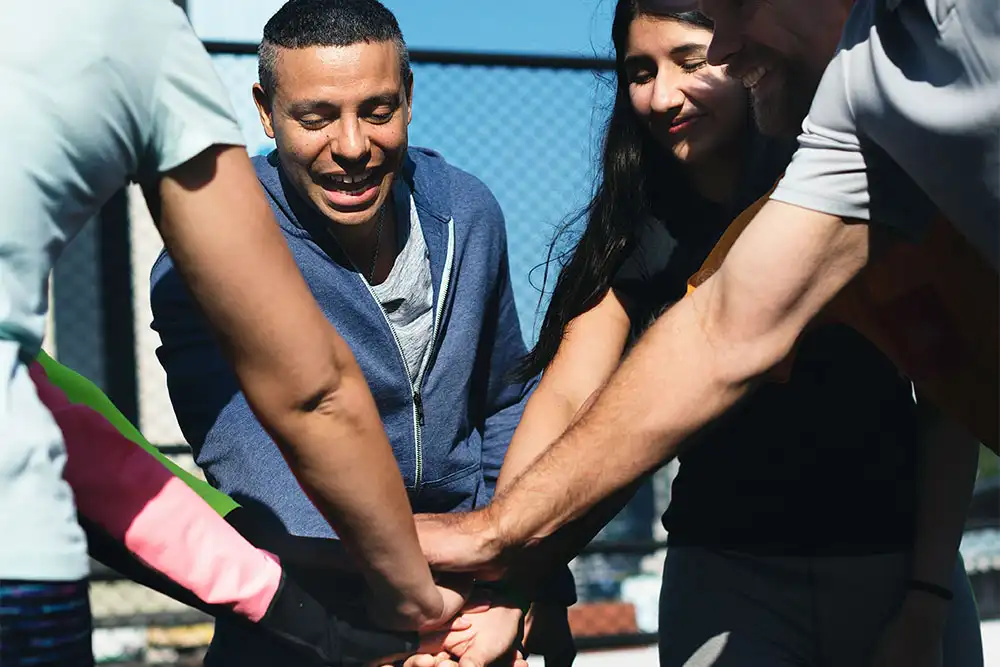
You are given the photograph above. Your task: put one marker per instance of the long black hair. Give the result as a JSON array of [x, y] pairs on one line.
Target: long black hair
[[631, 162]]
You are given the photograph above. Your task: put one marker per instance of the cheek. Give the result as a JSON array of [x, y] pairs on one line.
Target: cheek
[[640, 99], [394, 137], [298, 145], [729, 102], [775, 33]]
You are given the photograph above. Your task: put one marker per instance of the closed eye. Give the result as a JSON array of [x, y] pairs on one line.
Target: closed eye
[[380, 109], [639, 69], [313, 122]]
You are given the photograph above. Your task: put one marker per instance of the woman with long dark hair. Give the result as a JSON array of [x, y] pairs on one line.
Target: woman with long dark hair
[[792, 525]]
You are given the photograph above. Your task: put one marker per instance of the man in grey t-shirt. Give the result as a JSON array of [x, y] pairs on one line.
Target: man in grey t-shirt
[[907, 119]]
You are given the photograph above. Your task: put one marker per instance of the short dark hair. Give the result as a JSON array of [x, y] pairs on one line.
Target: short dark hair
[[303, 23]]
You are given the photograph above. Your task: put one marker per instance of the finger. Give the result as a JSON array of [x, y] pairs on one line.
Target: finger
[[458, 643], [460, 623], [420, 661], [459, 630], [474, 658], [460, 647]]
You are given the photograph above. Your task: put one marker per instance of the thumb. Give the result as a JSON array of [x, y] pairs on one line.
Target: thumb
[[474, 658]]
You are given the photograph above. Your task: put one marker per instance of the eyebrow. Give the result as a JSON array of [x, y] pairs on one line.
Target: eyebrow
[[307, 106], [679, 51], [689, 49]]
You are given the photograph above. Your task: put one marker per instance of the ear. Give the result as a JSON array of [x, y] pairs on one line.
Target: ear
[[409, 99], [264, 109]]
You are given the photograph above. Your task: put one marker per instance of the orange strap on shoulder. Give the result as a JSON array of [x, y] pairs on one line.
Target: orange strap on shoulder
[[932, 308]]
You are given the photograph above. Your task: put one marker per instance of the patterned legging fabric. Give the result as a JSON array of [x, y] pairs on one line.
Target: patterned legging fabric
[[45, 624]]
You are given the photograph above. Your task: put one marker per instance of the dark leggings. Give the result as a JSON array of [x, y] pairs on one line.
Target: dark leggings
[[728, 609], [45, 623]]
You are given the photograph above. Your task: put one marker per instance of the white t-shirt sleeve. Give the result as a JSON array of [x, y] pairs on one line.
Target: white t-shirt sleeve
[[190, 108], [828, 172], [837, 168]]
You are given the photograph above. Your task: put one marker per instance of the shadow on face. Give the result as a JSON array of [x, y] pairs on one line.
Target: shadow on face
[[691, 108], [779, 50], [339, 116]]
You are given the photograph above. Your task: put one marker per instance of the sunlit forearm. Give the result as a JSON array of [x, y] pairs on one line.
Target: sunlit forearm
[[696, 362], [545, 418]]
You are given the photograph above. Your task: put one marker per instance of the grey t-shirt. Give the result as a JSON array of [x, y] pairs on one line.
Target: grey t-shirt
[[95, 92], [407, 296], [906, 121]]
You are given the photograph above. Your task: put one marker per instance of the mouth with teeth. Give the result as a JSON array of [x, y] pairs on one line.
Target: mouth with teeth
[[351, 191], [753, 77]]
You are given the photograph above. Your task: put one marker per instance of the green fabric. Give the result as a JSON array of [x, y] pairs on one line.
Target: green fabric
[[81, 390]]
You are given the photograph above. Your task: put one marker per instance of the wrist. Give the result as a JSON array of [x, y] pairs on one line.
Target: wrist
[[930, 612], [491, 530], [399, 611], [936, 588], [508, 595]]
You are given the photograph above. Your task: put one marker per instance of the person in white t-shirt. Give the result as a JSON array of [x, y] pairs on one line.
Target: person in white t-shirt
[[98, 93]]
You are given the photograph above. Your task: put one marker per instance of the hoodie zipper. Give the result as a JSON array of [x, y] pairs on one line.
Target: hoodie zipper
[[415, 387]]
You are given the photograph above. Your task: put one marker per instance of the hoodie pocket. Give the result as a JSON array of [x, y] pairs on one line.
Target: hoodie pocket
[[456, 492]]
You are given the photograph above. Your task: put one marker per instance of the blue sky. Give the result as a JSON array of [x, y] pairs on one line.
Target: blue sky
[[551, 27]]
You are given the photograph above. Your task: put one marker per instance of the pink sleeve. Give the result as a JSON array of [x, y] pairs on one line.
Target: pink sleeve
[[119, 486]]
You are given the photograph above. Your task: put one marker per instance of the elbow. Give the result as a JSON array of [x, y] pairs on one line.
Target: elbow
[[766, 357], [305, 387], [338, 390], [749, 344], [322, 396]]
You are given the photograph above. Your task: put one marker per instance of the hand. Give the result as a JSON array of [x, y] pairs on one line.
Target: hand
[[442, 659], [431, 653], [491, 641], [481, 637], [461, 542], [913, 637], [454, 590], [547, 633]]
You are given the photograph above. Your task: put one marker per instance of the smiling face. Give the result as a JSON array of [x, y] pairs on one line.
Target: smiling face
[[691, 108], [339, 117], [779, 49]]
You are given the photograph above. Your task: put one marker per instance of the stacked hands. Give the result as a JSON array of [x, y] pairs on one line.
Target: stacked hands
[[480, 625]]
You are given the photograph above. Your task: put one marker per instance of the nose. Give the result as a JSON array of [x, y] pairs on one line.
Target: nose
[[726, 41], [350, 141], [667, 93]]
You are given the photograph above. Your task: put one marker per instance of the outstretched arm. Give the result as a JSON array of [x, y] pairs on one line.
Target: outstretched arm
[[590, 351], [150, 525], [695, 363], [699, 359]]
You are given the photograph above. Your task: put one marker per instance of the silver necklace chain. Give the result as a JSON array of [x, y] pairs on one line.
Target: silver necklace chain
[[378, 244]]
